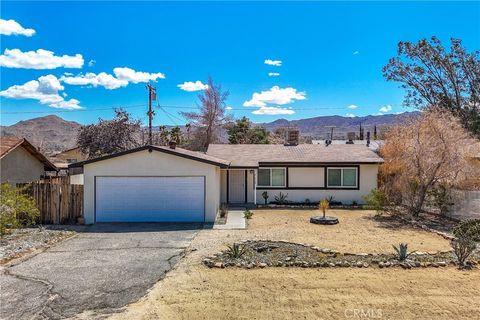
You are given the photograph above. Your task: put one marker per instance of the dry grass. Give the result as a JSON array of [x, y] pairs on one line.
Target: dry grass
[[192, 291]]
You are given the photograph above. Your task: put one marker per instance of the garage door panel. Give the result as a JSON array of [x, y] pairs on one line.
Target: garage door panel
[[155, 199]]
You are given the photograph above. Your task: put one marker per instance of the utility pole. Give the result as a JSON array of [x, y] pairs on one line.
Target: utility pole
[[152, 95]]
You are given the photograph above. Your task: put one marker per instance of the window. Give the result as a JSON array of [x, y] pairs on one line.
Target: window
[[342, 177], [271, 177]]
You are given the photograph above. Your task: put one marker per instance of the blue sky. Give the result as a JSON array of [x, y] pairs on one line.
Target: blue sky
[[331, 55]]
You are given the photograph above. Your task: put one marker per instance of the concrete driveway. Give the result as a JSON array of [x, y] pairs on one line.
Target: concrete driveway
[[103, 268]]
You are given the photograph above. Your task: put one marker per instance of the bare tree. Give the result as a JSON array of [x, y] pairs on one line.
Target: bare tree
[[109, 136], [423, 152], [210, 118], [434, 77]]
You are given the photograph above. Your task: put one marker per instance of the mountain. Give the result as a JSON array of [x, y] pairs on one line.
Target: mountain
[[50, 134], [320, 127]]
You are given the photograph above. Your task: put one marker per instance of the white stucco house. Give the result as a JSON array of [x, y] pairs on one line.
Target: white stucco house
[[157, 183]]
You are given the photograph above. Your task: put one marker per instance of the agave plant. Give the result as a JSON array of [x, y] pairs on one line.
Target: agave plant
[[235, 251], [324, 204], [402, 251]]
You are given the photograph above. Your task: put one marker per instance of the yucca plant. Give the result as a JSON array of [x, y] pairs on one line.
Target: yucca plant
[[324, 204], [402, 251], [235, 251]]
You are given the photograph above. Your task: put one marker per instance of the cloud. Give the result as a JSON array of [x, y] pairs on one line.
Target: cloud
[[123, 76], [102, 79], [228, 108], [271, 111], [40, 59], [12, 27], [355, 53], [276, 63], [385, 109], [45, 90], [275, 95], [133, 76], [91, 63], [192, 86], [273, 74], [350, 115], [352, 106]]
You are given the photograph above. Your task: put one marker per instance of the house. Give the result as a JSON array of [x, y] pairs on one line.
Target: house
[[372, 144], [66, 157], [21, 162], [156, 183]]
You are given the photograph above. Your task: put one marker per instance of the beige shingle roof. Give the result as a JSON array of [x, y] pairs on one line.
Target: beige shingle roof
[[250, 155], [8, 144]]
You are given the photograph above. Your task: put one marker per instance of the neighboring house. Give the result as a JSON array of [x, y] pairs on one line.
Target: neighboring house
[[21, 162], [63, 159], [154, 183]]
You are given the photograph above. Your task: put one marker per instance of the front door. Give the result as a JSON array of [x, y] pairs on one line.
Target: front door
[[236, 187]]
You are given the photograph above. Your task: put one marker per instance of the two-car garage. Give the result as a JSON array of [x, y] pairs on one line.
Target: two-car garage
[[152, 184], [149, 199]]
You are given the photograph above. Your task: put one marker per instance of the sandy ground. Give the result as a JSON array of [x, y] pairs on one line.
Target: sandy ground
[[192, 291]]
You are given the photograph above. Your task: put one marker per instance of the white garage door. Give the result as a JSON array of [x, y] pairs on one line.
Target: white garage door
[[150, 199]]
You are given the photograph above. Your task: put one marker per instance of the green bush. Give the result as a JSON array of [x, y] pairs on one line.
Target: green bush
[[248, 214], [469, 229], [463, 247], [265, 196], [16, 208], [376, 200]]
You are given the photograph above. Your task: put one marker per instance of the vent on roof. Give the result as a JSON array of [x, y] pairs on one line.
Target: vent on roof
[[292, 137]]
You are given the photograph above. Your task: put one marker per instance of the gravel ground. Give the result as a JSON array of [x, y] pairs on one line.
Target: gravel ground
[[24, 240]]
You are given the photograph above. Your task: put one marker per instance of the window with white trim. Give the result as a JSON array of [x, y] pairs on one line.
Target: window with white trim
[[342, 177], [271, 177]]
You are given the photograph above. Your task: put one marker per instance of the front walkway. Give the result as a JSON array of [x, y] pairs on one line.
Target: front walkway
[[235, 220]]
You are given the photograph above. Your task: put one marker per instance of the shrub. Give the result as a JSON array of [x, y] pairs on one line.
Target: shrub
[[468, 228], [463, 247], [235, 251], [248, 214], [281, 198], [324, 204], [16, 208], [265, 196], [354, 203], [223, 210], [402, 251], [307, 201], [442, 198], [376, 200]]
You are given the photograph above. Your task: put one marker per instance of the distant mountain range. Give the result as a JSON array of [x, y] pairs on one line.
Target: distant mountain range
[[52, 134]]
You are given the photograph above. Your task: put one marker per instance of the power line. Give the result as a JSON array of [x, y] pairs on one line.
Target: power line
[[75, 110]]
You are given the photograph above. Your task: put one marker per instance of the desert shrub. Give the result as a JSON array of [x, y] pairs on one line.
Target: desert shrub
[[307, 201], [16, 208], [248, 214], [223, 210], [441, 198], [281, 198], [402, 251], [324, 204], [375, 200], [235, 251], [468, 228], [463, 246], [354, 203], [265, 196]]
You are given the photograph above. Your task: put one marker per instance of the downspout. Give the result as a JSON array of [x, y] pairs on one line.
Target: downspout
[[255, 187]]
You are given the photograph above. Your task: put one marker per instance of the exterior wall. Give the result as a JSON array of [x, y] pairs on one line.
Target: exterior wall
[[250, 187], [306, 177], [155, 163], [467, 204], [20, 166], [223, 186], [368, 181]]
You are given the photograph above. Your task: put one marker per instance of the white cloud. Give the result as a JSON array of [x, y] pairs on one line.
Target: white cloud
[[350, 115], [271, 111], [385, 109], [123, 76], [133, 76], [276, 63], [12, 27], [352, 106], [40, 59], [91, 63], [102, 79], [228, 108], [355, 53], [273, 74], [275, 95], [45, 90], [192, 86]]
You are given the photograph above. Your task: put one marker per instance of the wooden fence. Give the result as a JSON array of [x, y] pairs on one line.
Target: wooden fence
[[59, 201]]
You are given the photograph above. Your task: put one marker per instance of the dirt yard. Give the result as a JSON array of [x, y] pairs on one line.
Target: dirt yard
[[193, 291]]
